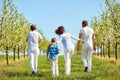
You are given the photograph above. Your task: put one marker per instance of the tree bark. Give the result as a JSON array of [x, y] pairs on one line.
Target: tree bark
[[18, 52], [7, 59], [14, 53], [116, 51], [109, 49]]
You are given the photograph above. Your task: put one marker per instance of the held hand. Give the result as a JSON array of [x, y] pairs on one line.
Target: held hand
[[40, 41], [78, 41], [81, 41]]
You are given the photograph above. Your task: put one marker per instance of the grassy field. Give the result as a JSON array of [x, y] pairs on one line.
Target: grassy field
[[102, 69], [3, 57]]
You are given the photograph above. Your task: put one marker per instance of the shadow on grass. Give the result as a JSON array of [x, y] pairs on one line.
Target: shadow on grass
[[92, 77], [22, 74]]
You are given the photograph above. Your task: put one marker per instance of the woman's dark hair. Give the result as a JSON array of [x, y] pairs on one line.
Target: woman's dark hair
[[84, 23], [33, 27], [60, 30]]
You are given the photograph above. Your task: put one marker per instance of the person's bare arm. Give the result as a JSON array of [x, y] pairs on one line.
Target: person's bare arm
[[26, 39], [40, 41], [94, 41], [80, 37]]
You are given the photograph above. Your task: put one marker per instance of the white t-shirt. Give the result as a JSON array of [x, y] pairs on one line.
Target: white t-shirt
[[65, 38], [87, 34], [33, 38]]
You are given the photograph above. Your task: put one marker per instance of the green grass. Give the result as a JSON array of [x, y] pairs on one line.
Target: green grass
[[101, 70], [10, 58], [3, 57]]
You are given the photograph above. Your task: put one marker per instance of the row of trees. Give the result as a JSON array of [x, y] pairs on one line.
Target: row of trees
[[107, 27], [13, 29], [13, 26]]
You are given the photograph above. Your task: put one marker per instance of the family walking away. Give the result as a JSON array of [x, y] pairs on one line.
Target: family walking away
[[33, 38], [86, 36]]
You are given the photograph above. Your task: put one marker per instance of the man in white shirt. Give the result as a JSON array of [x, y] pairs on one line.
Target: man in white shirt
[[87, 34], [33, 38]]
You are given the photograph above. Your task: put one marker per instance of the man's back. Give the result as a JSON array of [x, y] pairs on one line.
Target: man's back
[[87, 34], [33, 38]]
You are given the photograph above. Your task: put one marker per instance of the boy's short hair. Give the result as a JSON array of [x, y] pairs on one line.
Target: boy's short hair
[[85, 22], [33, 27], [53, 40]]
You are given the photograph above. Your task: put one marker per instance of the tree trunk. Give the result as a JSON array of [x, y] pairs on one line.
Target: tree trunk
[[101, 50], [18, 52], [14, 53], [98, 51], [7, 59], [116, 51], [109, 49], [24, 52]]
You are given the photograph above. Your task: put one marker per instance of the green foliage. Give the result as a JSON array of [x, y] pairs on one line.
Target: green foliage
[[14, 28], [3, 58], [101, 70], [78, 48], [45, 43], [107, 26]]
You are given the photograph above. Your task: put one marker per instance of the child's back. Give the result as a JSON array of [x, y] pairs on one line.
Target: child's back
[[53, 51]]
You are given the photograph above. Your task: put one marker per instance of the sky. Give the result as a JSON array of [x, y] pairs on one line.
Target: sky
[[50, 14]]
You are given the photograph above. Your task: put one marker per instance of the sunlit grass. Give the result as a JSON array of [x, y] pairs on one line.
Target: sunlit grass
[[102, 69]]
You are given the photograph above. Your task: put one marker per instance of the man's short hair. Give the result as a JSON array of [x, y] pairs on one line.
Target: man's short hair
[[85, 22], [33, 27]]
